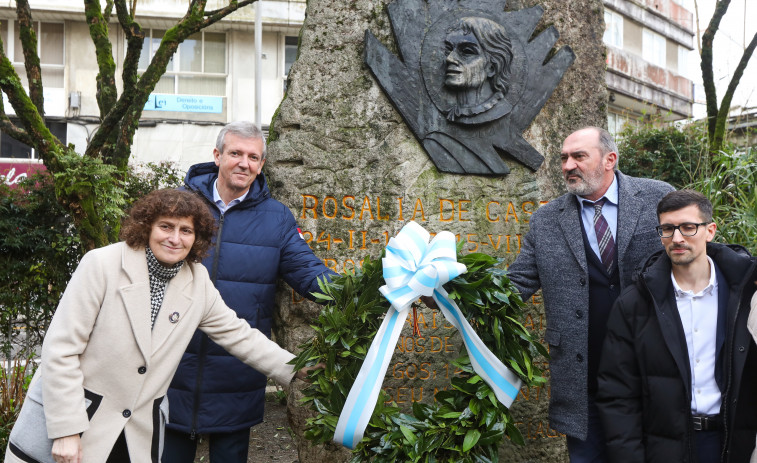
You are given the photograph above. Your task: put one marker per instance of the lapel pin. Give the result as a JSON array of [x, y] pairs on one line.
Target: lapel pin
[[174, 317]]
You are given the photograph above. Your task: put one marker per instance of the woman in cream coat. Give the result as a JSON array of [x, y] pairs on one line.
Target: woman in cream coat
[[118, 334]]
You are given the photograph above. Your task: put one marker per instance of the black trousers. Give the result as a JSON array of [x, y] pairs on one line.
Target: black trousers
[[229, 447], [120, 452], [708, 446]]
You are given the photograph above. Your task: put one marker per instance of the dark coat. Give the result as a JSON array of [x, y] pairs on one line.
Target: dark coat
[[553, 258], [644, 394], [257, 243]]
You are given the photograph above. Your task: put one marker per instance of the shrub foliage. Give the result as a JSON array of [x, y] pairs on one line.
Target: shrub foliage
[[681, 157]]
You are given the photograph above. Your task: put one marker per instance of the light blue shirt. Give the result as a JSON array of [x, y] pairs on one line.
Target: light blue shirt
[[609, 211], [222, 206]]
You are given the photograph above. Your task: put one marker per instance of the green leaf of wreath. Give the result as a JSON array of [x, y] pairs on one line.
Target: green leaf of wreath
[[466, 423]]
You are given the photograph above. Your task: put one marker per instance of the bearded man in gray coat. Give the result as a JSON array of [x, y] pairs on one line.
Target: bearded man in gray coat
[[582, 249]]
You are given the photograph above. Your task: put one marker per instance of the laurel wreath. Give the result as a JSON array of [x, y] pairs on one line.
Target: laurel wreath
[[466, 423]]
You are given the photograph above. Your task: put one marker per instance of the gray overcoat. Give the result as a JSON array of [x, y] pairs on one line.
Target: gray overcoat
[[553, 258]]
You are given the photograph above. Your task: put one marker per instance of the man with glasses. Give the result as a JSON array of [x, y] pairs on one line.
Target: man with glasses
[[581, 250], [678, 375]]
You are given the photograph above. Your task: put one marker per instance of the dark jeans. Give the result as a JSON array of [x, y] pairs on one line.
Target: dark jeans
[[224, 447], [593, 449]]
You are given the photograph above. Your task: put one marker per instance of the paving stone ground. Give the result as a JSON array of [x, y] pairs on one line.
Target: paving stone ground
[[270, 441]]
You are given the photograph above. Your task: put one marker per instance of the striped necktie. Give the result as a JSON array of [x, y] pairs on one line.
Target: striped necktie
[[604, 236]]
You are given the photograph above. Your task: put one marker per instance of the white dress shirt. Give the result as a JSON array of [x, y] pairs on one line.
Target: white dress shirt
[[219, 202], [699, 316], [609, 211]]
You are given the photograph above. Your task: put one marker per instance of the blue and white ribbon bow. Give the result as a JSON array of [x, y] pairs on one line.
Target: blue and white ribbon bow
[[413, 267]]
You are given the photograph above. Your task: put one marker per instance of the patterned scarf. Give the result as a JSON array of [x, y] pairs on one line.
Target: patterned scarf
[[159, 276]]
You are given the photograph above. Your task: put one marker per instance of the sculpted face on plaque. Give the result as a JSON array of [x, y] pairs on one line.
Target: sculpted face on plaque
[[473, 79], [478, 56]]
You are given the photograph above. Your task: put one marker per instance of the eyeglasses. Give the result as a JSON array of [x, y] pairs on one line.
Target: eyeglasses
[[686, 229]]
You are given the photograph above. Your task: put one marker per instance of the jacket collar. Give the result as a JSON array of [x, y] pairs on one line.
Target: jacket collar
[[732, 260], [733, 268], [629, 209], [200, 178], [135, 295]]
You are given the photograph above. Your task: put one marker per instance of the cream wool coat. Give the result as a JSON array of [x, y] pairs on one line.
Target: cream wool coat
[[752, 325], [104, 370]]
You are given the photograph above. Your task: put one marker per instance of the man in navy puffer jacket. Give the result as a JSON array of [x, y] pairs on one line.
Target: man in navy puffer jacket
[[257, 242]]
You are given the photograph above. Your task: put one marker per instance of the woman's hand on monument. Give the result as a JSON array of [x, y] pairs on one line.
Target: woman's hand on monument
[[305, 371]]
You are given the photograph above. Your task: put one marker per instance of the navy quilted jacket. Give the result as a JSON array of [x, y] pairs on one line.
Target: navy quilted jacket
[[258, 242]]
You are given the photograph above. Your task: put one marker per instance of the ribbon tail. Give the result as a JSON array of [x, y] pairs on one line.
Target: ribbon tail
[[503, 382], [361, 401]]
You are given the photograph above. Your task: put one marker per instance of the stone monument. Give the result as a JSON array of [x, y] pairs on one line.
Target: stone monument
[[353, 170]]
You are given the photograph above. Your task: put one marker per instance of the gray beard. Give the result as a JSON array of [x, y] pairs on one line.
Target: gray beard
[[581, 189]]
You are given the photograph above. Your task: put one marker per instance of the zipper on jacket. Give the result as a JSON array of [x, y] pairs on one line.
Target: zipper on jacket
[[198, 383], [690, 424], [214, 270], [204, 339], [725, 399]]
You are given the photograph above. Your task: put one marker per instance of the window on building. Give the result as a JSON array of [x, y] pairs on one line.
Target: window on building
[[617, 122], [290, 55], [50, 49], [613, 29], [10, 148], [653, 47], [683, 61], [197, 68]]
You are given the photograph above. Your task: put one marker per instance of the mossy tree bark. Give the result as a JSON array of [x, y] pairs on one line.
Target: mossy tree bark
[[717, 115], [89, 186]]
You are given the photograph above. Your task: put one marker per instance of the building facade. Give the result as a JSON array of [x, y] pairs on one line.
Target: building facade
[[648, 46], [210, 80]]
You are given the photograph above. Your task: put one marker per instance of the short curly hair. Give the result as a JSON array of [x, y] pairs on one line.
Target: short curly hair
[[136, 228]]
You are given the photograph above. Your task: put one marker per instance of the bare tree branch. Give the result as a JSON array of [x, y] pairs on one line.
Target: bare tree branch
[[708, 79], [134, 38], [725, 104], [8, 127], [128, 110], [107, 135], [699, 31], [129, 119], [106, 80], [31, 59], [216, 15], [37, 134], [108, 10], [16, 132]]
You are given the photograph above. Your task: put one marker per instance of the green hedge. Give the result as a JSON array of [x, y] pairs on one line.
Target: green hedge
[[680, 156]]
